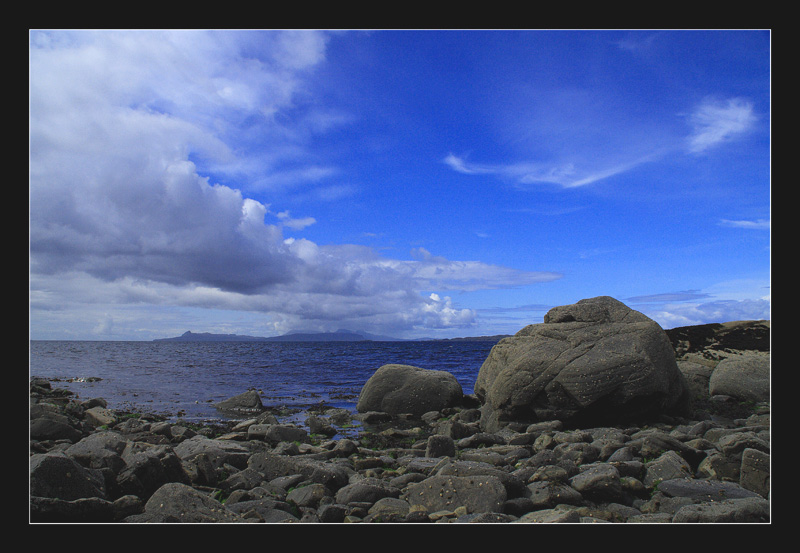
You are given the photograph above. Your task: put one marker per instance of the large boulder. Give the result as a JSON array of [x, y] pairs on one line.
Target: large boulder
[[594, 361], [745, 377], [401, 389]]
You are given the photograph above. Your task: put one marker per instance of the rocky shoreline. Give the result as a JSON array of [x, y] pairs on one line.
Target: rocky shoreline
[[92, 464], [136, 468]]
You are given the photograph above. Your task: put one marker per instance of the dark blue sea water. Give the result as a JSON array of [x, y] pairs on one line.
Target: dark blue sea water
[[184, 379]]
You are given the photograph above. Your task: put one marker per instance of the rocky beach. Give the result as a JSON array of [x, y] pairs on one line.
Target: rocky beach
[[596, 415]]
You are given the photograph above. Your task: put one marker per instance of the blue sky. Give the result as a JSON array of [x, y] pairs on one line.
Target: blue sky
[[407, 183]]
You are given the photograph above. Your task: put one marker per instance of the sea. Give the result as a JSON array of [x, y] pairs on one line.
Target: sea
[[183, 380]]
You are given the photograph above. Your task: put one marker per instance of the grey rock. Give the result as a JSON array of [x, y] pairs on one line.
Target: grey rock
[[549, 473], [176, 502], [697, 377], [308, 496], [598, 483], [100, 450], [547, 494], [390, 506], [650, 518], [485, 518], [550, 516], [719, 466], [461, 467], [651, 443], [750, 509], [318, 425], [86, 509], [275, 433], [59, 476], [661, 503], [755, 471], [745, 377], [398, 389], [54, 428], [455, 429], [735, 444], [245, 479], [98, 416], [344, 448], [668, 466], [479, 439], [440, 446], [595, 360], [704, 490], [273, 466], [332, 512], [478, 494], [147, 468], [248, 402], [367, 490], [219, 452], [577, 452]]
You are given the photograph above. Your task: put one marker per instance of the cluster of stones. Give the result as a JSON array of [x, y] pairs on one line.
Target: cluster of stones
[[522, 449], [445, 469]]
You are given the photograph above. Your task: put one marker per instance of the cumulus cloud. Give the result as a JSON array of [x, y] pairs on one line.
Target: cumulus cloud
[[121, 211]]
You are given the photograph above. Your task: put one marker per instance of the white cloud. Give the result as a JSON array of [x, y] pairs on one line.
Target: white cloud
[[460, 165], [716, 121], [674, 315], [734, 300], [567, 174], [712, 123], [295, 224], [758, 224], [122, 216]]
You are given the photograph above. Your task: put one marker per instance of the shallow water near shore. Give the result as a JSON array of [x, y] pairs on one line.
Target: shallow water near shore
[[184, 379]]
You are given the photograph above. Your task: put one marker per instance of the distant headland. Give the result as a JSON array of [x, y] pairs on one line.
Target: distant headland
[[337, 336]]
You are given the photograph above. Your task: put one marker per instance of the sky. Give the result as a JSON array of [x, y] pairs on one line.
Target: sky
[[406, 183]]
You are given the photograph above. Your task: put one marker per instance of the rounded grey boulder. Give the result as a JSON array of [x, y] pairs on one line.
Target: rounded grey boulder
[[745, 377], [400, 389], [595, 360]]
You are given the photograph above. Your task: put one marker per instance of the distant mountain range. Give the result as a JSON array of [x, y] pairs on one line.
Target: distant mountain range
[[338, 336]]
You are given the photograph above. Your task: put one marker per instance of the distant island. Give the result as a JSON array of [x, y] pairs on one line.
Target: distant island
[[338, 336]]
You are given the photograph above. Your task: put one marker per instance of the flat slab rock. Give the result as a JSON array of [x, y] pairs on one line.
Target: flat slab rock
[[706, 490]]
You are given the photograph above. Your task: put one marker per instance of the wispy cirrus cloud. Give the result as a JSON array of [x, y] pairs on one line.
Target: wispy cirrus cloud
[[716, 121], [712, 123], [566, 175], [758, 224], [685, 295]]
